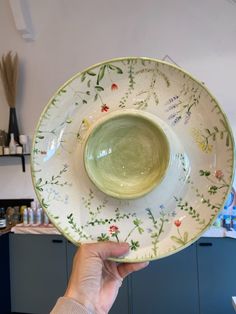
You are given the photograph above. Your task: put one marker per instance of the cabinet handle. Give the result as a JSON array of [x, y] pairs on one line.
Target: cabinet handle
[[57, 241], [205, 244]]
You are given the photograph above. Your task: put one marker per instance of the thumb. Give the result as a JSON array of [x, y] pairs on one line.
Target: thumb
[[126, 269], [112, 249], [108, 249]]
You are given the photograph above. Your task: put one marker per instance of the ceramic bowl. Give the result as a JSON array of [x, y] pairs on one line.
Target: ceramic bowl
[[118, 114], [126, 154]]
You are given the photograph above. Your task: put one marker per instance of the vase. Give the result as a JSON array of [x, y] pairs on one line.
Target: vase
[[13, 125]]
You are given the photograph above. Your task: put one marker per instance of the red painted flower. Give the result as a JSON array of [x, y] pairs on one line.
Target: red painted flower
[[113, 230], [104, 108], [177, 223], [114, 86], [219, 174]]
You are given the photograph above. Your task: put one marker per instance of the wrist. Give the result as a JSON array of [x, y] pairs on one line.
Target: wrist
[[82, 300]]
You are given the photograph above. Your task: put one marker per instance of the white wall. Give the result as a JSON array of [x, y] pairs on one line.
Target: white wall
[[71, 35]]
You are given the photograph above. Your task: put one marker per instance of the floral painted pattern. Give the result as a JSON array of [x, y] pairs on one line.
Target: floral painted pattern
[[185, 203]]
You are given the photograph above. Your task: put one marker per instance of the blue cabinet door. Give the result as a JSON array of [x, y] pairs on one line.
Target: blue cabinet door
[[5, 275], [217, 274], [38, 272], [167, 286]]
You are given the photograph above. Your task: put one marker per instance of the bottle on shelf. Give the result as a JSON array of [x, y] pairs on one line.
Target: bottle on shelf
[[30, 216], [12, 144], [3, 220], [39, 216], [45, 219], [22, 211], [25, 216]]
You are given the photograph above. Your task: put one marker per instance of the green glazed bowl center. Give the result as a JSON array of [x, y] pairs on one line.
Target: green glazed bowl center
[[126, 155]]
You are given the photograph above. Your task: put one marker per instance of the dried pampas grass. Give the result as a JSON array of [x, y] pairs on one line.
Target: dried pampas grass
[[9, 76]]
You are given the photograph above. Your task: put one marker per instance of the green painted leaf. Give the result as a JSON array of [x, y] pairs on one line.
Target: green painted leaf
[[140, 230], [223, 122], [103, 237], [186, 237], [91, 73], [177, 240], [101, 74], [134, 245], [44, 204], [99, 88], [83, 77], [117, 69], [39, 181], [227, 140]]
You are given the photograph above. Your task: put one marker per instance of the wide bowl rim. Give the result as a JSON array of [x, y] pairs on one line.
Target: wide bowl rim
[[77, 74]]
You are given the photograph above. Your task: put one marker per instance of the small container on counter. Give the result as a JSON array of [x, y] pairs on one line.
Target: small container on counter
[[30, 216], [6, 151], [25, 216], [10, 212], [12, 144], [39, 216], [22, 210], [45, 219], [3, 220], [19, 150]]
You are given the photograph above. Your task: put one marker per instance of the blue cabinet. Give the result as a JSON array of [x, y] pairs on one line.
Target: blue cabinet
[[168, 285], [38, 272], [5, 275], [198, 280], [217, 272]]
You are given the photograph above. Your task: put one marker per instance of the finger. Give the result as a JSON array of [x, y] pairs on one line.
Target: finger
[[106, 249], [126, 269]]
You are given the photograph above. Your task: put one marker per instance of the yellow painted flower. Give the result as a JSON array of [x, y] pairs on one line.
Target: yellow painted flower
[[69, 120], [85, 124], [201, 141]]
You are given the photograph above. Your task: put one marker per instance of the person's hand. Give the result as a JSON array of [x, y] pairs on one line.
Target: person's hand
[[94, 280]]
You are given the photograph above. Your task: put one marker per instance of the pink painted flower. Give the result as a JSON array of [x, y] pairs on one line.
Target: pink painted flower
[[219, 174], [104, 108], [114, 87], [177, 222], [114, 230]]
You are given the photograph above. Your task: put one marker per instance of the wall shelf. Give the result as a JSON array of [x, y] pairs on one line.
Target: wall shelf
[[22, 156]]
